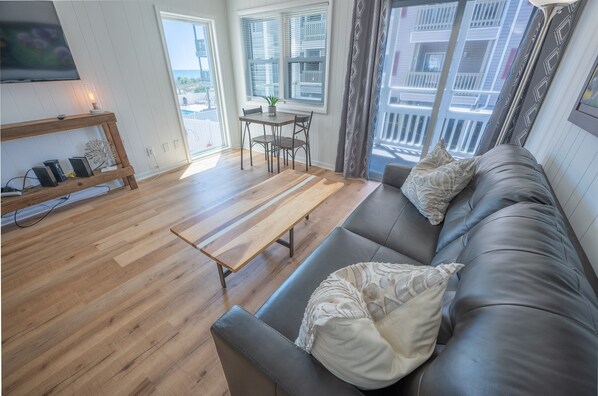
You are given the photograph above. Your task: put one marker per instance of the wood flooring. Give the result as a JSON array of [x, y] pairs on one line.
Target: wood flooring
[[101, 298]]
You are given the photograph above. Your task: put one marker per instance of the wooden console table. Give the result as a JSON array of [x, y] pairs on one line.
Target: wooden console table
[[36, 195]]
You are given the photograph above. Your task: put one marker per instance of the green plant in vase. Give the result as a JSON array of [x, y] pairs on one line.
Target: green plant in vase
[[272, 100]]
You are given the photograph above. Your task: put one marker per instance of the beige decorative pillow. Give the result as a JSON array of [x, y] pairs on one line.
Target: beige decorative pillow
[[436, 180], [371, 324]]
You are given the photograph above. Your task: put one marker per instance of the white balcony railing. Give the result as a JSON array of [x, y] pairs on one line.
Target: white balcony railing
[[311, 76], [313, 30], [406, 128], [487, 13], [463, 81], [435, 17]]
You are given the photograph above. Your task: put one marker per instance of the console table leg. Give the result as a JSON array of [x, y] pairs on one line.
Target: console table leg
[[132, 182]]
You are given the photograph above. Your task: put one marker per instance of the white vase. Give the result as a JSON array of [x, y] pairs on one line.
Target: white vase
[[271, 111]]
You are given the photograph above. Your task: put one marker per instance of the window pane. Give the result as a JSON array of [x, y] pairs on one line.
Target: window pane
[[262, 50], [190, 54], [294, 66], [488, 41], [305, 49], [415, 53], [264, 79]]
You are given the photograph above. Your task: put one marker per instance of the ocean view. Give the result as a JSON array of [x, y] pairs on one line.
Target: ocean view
[[186, 73]]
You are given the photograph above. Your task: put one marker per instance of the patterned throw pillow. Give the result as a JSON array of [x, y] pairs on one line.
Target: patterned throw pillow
[[371, 324], [436, 180]]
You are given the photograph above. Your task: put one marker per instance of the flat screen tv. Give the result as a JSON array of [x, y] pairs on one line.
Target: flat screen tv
[[32, 44]]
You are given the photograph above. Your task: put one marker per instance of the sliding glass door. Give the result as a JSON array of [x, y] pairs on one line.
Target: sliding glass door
[[444, 68], [190, 52]]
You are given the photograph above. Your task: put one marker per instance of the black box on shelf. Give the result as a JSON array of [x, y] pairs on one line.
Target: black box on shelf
[[81, 166], [56, 169], [45, 176]]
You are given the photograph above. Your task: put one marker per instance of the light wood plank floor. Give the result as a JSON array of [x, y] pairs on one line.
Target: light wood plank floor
[[101, 298]]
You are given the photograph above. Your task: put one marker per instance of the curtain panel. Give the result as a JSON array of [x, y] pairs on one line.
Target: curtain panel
[[362, 86], [526, 109]]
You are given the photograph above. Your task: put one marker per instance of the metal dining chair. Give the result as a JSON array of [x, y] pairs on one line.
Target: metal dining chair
[[291, 145], [265, 140]]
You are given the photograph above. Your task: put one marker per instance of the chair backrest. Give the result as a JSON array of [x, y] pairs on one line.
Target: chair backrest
[[302, 124], [255, 110]]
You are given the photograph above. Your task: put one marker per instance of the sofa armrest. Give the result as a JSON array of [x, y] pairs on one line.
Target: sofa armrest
[[258, 360], [395, 174]]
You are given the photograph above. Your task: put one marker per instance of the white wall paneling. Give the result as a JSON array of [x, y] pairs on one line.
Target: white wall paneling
[[325, 127], [116, 46], [570, 154]]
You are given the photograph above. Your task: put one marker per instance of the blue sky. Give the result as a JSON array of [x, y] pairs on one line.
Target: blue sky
[[181, 46]]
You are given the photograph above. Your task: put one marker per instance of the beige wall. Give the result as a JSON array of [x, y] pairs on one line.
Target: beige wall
[[570, 154]]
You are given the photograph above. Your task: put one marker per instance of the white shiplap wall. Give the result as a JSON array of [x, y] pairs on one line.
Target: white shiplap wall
[[117, 46], [325, 127], [570, 154]]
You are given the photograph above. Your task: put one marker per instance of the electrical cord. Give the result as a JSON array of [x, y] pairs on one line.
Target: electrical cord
[[62, 200], [25, 179], [21, 177]]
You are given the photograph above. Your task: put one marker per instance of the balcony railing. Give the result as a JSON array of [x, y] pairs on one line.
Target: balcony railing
[[313, 30], [406, 128], [311, 76], [463, 81], [487, 13]]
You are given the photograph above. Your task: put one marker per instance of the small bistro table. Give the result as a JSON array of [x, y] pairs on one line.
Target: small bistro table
[[237, 230], [276, 122]]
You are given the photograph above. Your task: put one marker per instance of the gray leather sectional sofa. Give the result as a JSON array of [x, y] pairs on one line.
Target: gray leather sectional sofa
[[520, 319]]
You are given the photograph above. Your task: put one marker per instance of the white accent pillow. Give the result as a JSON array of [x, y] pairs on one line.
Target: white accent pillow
[[371, 324], [436, 180]]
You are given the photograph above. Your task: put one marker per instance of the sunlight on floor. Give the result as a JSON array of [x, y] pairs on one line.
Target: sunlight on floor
[[201, 165]]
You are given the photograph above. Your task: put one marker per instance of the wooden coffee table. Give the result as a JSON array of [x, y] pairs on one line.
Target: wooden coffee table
[[235, 231]]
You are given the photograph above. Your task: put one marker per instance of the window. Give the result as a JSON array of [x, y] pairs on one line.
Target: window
[[454, 56], [286, 53]]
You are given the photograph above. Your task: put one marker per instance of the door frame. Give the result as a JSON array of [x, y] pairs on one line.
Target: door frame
[[214, 63]]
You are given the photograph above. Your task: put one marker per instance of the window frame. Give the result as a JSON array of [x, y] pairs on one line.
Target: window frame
[[284, 59]]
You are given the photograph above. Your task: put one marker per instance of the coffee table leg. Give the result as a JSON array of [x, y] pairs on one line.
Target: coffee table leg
[[291, 242], [222, 274]]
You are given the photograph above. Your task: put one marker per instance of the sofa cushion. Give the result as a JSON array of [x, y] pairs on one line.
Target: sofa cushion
[[340, 249], [510, 350], [372, 323], [388, 218], [522, 255], [435, 181], [524, 319], [503, 176]]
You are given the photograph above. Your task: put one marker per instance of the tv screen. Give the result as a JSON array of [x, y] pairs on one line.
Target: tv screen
[[32, 44]]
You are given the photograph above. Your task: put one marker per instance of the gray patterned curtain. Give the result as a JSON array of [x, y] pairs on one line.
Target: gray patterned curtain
[[527, 107], [362, 86]]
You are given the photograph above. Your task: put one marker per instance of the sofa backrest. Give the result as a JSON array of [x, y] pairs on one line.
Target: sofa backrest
[[524, 317], [504, 176]]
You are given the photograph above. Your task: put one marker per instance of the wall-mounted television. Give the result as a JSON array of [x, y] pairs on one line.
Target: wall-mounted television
[[32, 44]]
